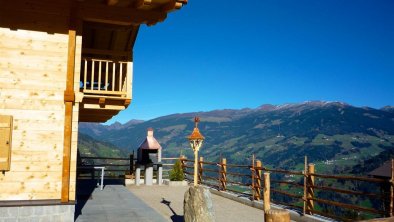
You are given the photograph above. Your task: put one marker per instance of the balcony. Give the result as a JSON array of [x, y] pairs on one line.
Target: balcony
[[106, 86]]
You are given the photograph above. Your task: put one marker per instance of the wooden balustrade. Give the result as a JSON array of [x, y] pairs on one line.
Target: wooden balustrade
[[106, 77], [231, 177]]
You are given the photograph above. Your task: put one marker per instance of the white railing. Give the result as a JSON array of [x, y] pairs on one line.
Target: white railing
[[106, 77]]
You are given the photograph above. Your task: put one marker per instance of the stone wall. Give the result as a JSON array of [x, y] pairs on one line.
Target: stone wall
[[53, 213]]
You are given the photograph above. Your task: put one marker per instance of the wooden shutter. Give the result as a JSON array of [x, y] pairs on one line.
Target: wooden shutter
[[5, 142]]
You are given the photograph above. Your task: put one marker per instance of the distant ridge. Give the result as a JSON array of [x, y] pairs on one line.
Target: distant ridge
[[335, 134]]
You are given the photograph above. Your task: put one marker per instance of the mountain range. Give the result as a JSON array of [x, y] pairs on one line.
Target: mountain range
[[335, 136]]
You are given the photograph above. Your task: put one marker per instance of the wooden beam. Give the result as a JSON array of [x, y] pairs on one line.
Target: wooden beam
[[172, 5], [131, 41], [68, 117], [105, 52], [114, 37], [112, 2], [118, 15], [142, 3]]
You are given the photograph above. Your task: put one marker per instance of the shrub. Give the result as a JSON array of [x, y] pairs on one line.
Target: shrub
[[176, 174]]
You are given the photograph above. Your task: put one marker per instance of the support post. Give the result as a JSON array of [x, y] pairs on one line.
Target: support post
[[305, 172], [195, 179], [69, 99], [266, 192], [148, 177], [258, 180], [223, 174], [252, 170], [200, 170], [310, 191], [132, 163], [137, 176], [159, 176], [182, 158], [392, 189]]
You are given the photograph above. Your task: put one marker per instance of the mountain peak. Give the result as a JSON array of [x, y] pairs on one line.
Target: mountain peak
[[267, 107], [388, 109], [306, 104]]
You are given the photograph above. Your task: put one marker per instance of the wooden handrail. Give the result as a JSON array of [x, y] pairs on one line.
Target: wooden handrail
[[366, 179], [104, 158], [287, 182], [287, 193], [310, 197], [348, 206], [283, 171], [374, 195]]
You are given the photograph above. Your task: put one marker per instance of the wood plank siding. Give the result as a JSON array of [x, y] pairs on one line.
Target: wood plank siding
[[33, 68]]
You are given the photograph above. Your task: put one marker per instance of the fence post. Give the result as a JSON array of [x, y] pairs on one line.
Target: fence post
[[252, 170], [305, 173], [392, 189], [200, 170], [223, 176], [257, 192], [182, 159], [266, 192], [131, 164], [310, 190]]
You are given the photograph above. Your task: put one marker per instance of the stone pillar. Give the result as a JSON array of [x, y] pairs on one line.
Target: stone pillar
[[137, 175], [197, 205], [159, 175], [277, 216], [148, 175]]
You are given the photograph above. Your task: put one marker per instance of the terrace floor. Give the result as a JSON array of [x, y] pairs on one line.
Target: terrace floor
[[115, 203], [119, 203], [168, 201]]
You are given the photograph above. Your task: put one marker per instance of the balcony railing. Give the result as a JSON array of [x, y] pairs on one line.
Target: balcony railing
[[106, 78]]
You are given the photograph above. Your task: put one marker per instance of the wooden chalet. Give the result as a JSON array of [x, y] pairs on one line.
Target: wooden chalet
[[61, 62]]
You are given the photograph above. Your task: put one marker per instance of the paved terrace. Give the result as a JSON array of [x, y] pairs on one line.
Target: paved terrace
[[168, 201], [150, 203]]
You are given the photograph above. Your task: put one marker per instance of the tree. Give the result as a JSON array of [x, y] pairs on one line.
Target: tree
[[176, 174]]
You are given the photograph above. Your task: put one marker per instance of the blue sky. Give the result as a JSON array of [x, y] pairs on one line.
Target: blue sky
[[236, 54]]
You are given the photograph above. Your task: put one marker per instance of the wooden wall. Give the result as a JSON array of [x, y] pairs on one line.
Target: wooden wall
[[33, 67]]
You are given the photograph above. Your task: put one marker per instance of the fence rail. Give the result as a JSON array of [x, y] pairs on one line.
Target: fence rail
[[304, 189], [115, 167]]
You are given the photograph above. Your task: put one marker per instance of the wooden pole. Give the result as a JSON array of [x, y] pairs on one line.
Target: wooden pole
[[392, 189], [310, 190], [223, 174], [195, 168], [305, 178], [132, 163], [200, 170], [69, 99], [182, 159], [266, 192], [253, 177], [258, 180]]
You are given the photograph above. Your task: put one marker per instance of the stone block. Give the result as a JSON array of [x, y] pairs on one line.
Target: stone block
[[274, 215], [38, 211], [13, 212], [197, 205], [23, 219], [25, 211], [3, 212]]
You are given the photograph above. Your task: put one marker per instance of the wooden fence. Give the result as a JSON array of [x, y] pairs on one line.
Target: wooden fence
[[304, 189], [115, 167], [118, 167]]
